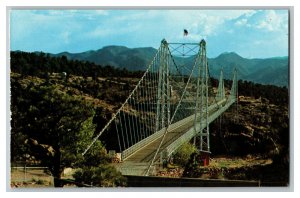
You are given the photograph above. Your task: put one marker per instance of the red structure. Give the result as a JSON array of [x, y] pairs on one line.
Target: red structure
[[204, 158]]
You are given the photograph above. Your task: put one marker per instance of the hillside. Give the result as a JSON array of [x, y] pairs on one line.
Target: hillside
[[251, 148], [117, 56], [252, 144], [273, 76], [44, 102], [272, 71]]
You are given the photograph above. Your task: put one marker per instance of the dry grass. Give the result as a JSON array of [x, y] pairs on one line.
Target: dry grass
[[235, 162], [33, 178]]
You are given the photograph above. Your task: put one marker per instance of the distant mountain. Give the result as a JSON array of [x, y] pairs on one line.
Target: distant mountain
[[269, 75], [265, 71], [117, 56]]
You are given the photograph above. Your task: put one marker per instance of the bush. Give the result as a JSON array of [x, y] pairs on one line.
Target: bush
[[102, 176], [182, 155], [38, 181]]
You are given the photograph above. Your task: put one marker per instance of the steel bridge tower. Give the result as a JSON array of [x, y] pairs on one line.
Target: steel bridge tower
[[164, 89], [202, 99], [173, 102]]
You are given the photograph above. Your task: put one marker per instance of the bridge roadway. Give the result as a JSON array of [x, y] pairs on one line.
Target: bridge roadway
[[137, 161]]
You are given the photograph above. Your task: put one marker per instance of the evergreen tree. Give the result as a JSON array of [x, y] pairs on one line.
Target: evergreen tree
[[56, 128]]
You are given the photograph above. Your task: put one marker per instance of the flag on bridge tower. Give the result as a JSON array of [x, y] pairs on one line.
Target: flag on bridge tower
[[185, 32]]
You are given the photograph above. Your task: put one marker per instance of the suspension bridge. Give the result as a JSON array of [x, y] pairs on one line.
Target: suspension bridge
[[171, 104]]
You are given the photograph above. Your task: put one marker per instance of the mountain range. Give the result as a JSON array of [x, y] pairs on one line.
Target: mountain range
[[274, 71]]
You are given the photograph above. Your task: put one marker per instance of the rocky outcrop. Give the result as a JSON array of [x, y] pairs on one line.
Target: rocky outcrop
[[255, 126]]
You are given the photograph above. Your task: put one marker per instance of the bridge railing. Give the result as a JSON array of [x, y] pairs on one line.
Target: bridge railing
[[134, 148], [143, 143], [191, 133]]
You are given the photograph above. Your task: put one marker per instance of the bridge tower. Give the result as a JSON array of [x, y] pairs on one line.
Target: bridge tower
[[163, 91], [170, 104], [201, 105]]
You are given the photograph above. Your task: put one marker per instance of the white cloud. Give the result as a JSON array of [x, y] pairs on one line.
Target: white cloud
[[204, 23], [231, 14], [241, 22], [42, 28], [272, 21], [145, 27], [244, 18]]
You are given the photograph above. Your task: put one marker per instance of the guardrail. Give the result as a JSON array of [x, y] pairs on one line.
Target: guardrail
[[191, 132], [143, 143]]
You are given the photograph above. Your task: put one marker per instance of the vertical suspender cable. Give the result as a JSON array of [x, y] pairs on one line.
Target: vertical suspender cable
[[132, 121], [119, 142], [166, 130], [148, 118], [138, 131], [128, 144], [129, 125], [123, 136], [119, 110]]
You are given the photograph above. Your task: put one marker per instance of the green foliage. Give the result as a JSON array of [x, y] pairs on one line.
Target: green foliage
[[182, 155], [37, 64], [56, 127], [103, 175], [276, 95]]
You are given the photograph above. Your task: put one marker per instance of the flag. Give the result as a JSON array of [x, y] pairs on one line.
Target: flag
[[185, 32]]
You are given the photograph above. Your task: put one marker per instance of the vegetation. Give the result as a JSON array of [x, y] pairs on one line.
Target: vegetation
[[40, 64], [55, 127], [182, 155], [54, 119], [50, 122], [102, 175], [119, 56], [275, 95], [258, 133], [272, 71]]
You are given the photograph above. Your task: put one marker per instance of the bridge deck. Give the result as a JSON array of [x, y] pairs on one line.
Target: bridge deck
[[138, 162], [146, 154]]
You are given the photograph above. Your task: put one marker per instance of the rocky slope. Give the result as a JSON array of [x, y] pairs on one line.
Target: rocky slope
[[251, 144]]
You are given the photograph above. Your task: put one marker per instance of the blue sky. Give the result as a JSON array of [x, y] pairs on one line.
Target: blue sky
[[250, 33]]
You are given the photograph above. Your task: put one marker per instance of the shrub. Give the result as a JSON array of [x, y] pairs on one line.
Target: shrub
[[182, 155], [102, 176]]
